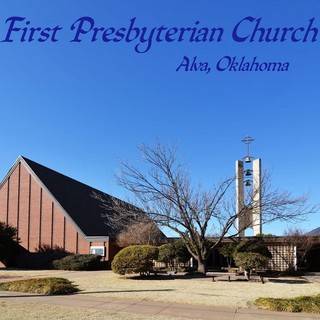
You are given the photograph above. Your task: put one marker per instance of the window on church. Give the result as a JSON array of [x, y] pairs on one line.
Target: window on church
[[98, 250]]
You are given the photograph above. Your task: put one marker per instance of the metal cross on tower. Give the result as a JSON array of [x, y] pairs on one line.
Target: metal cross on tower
[[247, 141]]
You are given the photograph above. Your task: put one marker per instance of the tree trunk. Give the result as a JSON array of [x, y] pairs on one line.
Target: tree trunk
[[201, 266]]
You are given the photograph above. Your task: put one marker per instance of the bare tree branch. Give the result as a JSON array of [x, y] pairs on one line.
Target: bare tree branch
[[166, 194]]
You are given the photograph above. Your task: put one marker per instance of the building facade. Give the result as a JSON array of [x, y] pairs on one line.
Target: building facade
[[55, 211]]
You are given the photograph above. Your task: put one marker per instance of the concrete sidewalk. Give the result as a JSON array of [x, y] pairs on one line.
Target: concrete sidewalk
[[151, 308]]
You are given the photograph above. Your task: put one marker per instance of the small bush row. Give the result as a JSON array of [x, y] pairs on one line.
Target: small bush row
[[78, 262], [309, 304], [66, 261]]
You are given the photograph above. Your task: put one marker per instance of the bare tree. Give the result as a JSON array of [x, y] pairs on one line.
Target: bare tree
[[303, 243], [140, 233], [164, 190]]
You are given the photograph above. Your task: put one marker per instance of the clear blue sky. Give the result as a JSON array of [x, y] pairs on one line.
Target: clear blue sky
[[82, 108]]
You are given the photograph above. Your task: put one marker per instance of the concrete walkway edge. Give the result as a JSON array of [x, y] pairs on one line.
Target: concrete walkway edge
[[154, 308]]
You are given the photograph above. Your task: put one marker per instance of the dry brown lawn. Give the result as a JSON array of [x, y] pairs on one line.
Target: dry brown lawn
[[32, 311], [192, 291]]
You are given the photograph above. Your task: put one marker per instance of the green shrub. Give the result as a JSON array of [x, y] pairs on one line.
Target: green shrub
[[253, 254], [182, 253], [172, 252], [254, 246], [135, 259], [78, 262], [167, 254], [227, 250], [9, 246], [47, 286], [250, 260], [309, 304]]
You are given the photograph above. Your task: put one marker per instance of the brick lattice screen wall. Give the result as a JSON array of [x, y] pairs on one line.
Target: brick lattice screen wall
[[283, 257]]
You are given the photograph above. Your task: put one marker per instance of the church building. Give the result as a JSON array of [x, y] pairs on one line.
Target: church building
[[52, 210]]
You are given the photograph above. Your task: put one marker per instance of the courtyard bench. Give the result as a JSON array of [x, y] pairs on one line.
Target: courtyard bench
[[239, 275]]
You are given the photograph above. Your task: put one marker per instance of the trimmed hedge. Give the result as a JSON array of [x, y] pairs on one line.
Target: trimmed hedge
[[79, 262], [135, 259], [47, 286], [251, 260], [252, 254]]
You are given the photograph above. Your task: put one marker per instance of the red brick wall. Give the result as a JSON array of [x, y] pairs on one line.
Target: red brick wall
[[58, 228], [34, 222], [13, 197], [46, 219], [23, 226], [71, 236], [83, 245], [3, 202], [37, 217]]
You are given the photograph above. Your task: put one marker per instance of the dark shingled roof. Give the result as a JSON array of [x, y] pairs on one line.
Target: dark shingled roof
[[314, 232], [83, 203]]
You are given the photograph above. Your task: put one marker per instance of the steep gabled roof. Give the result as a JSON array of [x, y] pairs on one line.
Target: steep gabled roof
[[85, 205]]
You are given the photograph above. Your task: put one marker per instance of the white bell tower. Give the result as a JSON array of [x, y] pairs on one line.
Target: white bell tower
[[248, 192]]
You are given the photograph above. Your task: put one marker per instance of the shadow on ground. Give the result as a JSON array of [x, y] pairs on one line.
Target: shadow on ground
[[23, 296], [289, 281], [122, 291], [86, 292]]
